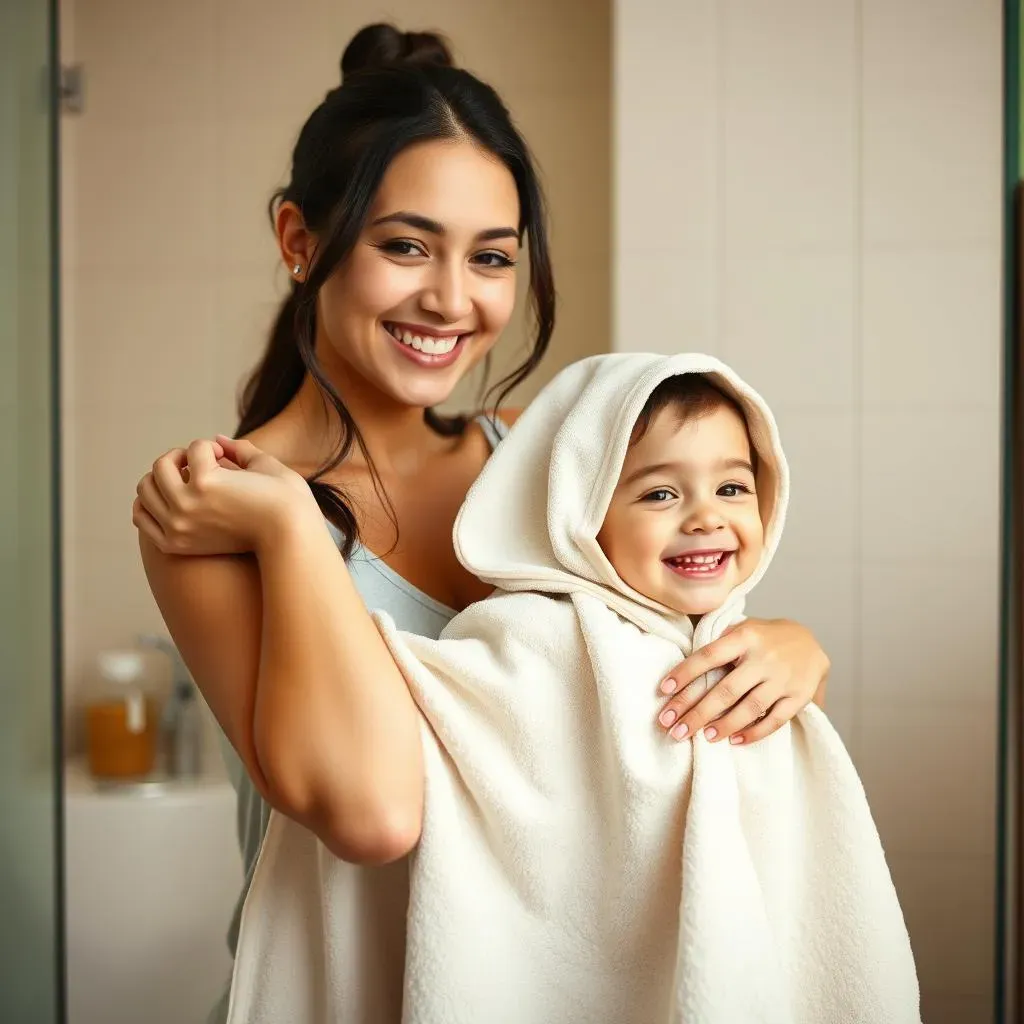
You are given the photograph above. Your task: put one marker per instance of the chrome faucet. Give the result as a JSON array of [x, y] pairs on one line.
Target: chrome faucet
[[181, 722]]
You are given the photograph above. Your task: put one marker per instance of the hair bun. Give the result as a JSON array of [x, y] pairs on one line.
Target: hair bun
[[384, 46]]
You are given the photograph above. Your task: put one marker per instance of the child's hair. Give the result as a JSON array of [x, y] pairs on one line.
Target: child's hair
[[691, 395]]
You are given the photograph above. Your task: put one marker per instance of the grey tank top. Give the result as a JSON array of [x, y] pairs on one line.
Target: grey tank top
[[413, 611]]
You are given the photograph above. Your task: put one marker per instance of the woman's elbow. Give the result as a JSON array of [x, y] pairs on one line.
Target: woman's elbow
[[379, 838], [373, 833]]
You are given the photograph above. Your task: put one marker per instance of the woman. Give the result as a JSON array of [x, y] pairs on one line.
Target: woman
[[410, 197]]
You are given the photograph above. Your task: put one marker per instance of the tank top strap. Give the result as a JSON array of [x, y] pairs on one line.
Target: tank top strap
[[495, 429]]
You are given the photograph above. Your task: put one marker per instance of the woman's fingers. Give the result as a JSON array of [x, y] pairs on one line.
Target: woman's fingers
[[726, 650], [167, 474], [241, 453], [201, 458], [684, 721], [151, 499], [782, 712], [147, 525], [757, 706]]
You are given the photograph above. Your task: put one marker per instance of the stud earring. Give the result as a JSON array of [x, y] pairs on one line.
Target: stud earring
[[297, 269]]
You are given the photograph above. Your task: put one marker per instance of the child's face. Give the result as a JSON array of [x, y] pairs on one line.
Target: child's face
[[684, 527]]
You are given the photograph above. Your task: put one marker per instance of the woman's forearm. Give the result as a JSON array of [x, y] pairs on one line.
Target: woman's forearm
[[335, 727]]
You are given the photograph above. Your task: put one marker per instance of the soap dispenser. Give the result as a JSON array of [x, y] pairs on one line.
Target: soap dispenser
[[119, 723]]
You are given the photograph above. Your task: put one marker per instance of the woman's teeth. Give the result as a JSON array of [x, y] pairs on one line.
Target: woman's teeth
[[429, 346]]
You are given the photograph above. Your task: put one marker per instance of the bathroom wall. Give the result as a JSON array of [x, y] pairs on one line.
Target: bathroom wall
[[810, 190], [171, 276]]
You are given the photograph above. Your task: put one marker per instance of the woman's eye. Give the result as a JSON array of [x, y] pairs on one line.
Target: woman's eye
[[402, 247], [494, 260]]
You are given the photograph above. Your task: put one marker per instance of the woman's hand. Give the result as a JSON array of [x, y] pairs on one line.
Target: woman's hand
[[774, 669], [220, 497]]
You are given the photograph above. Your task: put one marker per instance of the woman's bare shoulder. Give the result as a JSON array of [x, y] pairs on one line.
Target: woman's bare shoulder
[[287, 441], [507, 416]]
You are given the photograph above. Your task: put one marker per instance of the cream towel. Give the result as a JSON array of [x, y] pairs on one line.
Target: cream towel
[[577, 866]]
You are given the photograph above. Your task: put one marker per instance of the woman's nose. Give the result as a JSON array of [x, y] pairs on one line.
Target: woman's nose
[[448, 295]]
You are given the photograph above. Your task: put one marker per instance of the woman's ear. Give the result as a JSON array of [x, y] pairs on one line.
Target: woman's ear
[[296, 242]]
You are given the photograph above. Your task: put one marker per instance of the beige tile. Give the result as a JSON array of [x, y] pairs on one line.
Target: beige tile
[[116, 448], [666, 128], [246, 306], [575, 171], [143, 339], [253, 159], [664, 303], [569, 45], [821, 594], [932, 108], [931, 634], [949, 907], [146, 62], [145, 194], [788, 321], [820, 448], [70, 130], [941, 1009], [273, 61], [931, 487], [930, 775], [650, 37], [787, 124], [932, 327]]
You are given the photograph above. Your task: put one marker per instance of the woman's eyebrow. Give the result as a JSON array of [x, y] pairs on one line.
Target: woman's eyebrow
[[433, 227]]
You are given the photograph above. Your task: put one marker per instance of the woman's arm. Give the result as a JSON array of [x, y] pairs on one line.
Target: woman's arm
[[335, 725], [291, 663]]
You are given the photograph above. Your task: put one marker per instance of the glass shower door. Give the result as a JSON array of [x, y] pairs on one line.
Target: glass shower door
[[31, 954]]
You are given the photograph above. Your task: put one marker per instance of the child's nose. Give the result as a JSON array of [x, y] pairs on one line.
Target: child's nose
[[702, 518]]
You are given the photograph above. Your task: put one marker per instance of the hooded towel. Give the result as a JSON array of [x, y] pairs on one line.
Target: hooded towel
[[577, 866]]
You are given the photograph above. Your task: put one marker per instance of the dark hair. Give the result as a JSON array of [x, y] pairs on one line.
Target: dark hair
[[690, 395], [398, 89]]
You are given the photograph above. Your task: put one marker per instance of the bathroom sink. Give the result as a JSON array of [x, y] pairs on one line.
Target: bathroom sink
[[152, 875]]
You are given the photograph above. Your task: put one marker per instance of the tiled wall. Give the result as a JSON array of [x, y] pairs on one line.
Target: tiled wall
[[171, 276], [810, 190]]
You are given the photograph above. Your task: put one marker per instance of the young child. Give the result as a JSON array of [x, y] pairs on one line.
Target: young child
[[575, 865]]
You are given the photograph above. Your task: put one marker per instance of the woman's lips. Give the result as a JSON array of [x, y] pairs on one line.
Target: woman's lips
[[425, 349]]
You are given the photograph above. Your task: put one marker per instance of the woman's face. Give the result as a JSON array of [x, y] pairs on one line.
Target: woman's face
[[430, 284]]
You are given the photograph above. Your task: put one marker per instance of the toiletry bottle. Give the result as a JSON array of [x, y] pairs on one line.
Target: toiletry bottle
[[121, 727]]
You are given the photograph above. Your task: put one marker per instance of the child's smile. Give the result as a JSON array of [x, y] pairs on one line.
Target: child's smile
[[684, 527]]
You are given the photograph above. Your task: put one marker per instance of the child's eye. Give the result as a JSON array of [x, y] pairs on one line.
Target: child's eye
[[733, 490], [661, 494]]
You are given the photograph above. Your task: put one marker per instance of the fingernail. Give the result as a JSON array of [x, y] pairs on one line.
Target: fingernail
[[710, 732], [668, 687], [668, 716], [736, 740], [680, 731]]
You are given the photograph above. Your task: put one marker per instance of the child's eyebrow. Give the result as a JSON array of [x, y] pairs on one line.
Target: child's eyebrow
[[668, 467]]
